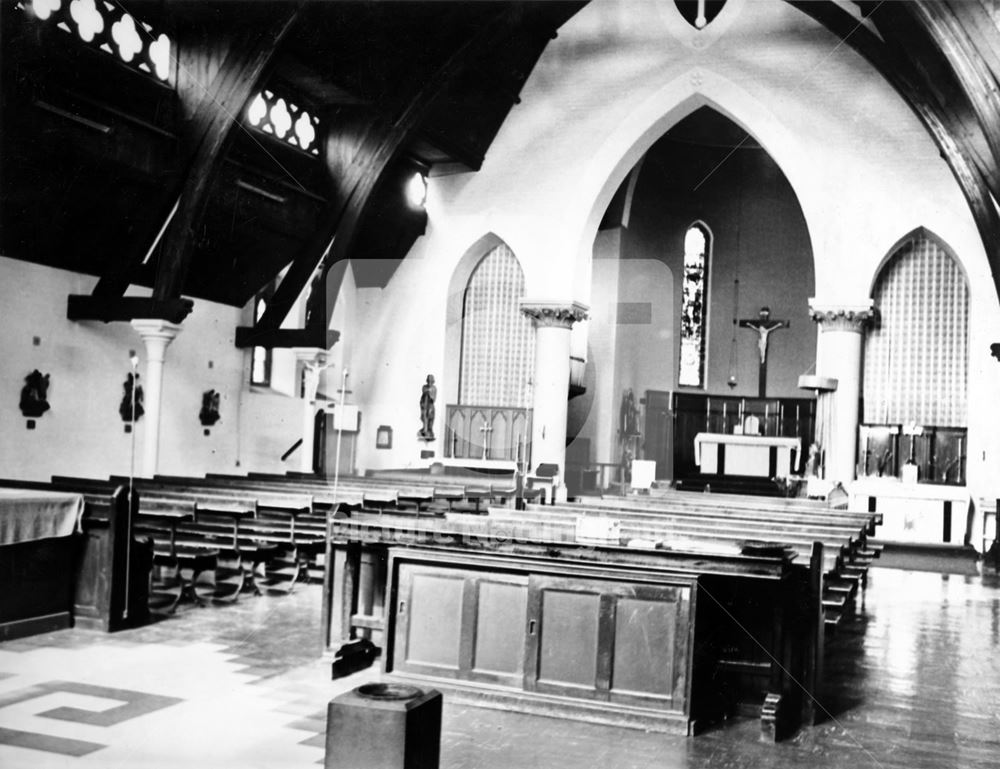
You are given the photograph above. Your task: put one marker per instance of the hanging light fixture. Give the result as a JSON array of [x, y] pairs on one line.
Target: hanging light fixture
[[731, 380]]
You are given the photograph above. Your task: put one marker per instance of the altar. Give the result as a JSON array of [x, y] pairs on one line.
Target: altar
[[765, 456], [918, 513]]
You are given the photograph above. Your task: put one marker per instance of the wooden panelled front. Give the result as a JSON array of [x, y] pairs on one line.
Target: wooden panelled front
[[608, 640], [488, 432], [699, 413], [593, 639], [455, 623]]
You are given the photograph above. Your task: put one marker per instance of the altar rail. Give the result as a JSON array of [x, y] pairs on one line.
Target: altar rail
[[488, 432]]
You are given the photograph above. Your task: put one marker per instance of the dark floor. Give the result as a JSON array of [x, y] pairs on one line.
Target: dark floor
[[914, 681]]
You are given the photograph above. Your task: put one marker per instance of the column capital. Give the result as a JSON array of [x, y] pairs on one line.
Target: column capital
[[156, 328], [561, 313], [842, 316], [156, 335]]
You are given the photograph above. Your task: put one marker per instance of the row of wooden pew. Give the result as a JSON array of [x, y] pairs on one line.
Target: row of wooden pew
[[218, 537]]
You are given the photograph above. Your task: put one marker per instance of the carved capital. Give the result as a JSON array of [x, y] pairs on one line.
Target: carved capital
[[557, 312], [842, 317], [156, 335]]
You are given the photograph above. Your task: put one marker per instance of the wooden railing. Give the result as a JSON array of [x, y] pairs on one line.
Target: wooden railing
[[488, 432]]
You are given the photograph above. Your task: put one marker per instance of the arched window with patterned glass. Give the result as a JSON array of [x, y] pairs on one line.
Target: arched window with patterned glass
[[916, 365], [497, 358], [694, 294]]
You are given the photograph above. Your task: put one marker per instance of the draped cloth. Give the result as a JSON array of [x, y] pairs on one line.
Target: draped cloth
[[27, 515]]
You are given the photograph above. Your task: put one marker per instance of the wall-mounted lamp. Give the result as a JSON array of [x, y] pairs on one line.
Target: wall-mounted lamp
[[416, 190]]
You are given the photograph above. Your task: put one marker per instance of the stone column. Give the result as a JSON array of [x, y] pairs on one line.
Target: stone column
[[553, 321], [314, 360], [156, 336], [838, 355]]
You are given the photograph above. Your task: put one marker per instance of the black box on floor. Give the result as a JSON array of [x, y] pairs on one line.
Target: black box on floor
[[384, 726]]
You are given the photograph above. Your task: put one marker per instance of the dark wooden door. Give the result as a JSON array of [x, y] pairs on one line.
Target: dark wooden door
[[659, 433]]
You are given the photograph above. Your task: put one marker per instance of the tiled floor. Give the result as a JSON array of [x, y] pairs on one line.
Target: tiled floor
[[242, 686]]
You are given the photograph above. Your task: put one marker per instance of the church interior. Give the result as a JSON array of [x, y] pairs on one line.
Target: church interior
[[532, 383]]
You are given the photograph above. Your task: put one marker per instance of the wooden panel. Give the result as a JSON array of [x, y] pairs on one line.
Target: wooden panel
[[506, 434], [645, 633], [36, 586], [568, 642], [659, 440], [606, 636], [433, 627], [500, 628]]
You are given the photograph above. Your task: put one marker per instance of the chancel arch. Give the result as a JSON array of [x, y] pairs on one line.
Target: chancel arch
[[689, 92], [491, 356], [715, 232], [916, 364]]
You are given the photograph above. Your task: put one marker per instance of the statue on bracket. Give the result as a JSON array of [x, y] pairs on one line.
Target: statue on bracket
[[36, 386], [129, 398], [209, 413], [428, 394]]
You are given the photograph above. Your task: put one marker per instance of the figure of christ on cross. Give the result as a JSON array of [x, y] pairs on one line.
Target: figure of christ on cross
[[763, 325]]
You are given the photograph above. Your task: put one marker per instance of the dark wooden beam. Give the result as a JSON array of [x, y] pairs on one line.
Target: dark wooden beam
[[217, 116], [981, 30], [953, 43], [216, 111], [284, 338], [358, 154], [88, 307], [914, 44], [901, 75]]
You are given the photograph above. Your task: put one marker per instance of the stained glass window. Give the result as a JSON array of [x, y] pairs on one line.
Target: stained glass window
[[697, 243]]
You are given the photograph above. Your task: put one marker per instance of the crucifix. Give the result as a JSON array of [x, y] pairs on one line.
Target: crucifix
[[486, 430], [763, 325]]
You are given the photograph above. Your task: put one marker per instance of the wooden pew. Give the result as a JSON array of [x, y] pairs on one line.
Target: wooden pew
[[212, 560], [266, 517], [683, 532]]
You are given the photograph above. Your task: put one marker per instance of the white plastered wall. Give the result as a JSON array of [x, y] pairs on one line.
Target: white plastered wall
[[82, 433]]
